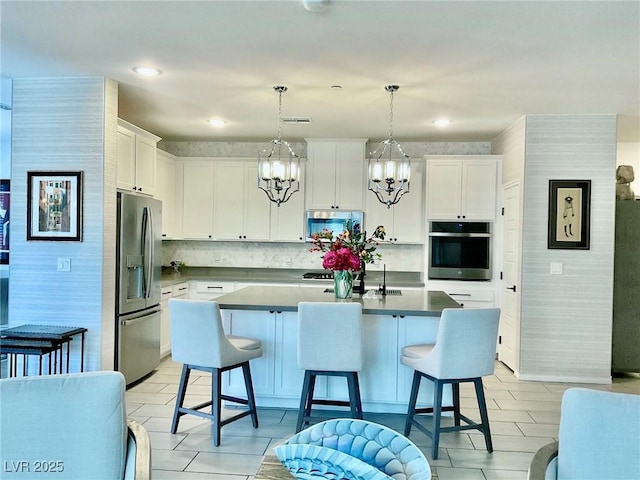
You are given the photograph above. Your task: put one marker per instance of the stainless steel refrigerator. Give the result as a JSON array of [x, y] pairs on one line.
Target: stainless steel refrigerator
[[139, 265]]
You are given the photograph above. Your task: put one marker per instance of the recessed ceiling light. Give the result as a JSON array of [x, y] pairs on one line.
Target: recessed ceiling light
[[216, 122], [442, 122], [147, 71]]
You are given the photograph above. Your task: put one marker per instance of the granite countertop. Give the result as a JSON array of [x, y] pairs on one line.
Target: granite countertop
[[271, 298], [280, 275]]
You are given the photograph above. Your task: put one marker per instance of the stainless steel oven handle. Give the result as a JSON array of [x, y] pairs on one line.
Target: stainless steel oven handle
[[459, 235]]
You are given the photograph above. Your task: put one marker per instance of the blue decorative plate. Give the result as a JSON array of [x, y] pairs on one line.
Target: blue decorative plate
[[311, 462]]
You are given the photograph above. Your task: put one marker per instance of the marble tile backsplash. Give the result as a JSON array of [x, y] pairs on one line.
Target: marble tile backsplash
[[250, 149], [404, 258]]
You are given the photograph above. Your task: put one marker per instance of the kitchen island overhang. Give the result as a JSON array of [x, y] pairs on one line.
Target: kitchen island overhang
[[389, 323], [412, 302]]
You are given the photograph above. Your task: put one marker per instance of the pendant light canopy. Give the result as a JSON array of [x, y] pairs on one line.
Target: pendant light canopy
[[389, 166], [278, 165]]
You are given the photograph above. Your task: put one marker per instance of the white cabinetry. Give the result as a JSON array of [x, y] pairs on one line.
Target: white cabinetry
[[136, 159], [180, 290], [210, 290], [461, 187], [169, 190], [241, 211], [259, 325], [197, 213], [335, 173], [287, 220], [404, 221]]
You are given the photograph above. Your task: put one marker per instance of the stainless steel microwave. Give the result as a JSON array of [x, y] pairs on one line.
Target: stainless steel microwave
[[460, 250], [333, 220]]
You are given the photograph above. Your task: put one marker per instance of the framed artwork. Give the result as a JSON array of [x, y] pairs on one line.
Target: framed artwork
[[54, 206], [5, 209], [569, 214]]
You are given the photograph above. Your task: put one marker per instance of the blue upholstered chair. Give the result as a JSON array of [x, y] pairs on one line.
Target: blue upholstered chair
[[70, 426], [198, 342], [350, 448], [464, 351], [599, 438], [329, 344]]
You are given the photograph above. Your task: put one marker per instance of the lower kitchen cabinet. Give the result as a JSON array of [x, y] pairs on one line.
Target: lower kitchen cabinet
[[259, 325], [385, 384], [180, 290]]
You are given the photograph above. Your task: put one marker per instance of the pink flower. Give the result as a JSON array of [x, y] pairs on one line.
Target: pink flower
[[330, 260], [354, 261]]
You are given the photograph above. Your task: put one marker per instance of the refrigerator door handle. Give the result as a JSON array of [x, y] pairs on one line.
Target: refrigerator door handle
[[147, 245], [141, 318]]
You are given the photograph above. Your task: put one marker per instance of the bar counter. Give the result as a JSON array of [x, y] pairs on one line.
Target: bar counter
[[414, 302], [269, 313]]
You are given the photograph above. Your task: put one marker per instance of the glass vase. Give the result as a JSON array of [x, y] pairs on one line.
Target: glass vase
[[343, 283]]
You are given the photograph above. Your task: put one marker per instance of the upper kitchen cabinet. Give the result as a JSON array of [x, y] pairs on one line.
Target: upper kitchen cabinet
[[169, 174], [287, 220], [241, 211], [404, 221], [335, 173], [197, 206], [136, 162], [462, 187]]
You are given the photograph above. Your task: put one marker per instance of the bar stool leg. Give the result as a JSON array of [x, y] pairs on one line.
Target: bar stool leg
[[251, 401], [216, 407], [411, 410], [437, 413], [182, 390]]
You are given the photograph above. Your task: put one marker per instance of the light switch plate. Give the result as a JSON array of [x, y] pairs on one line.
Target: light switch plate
[[64, 264], [555, 268]]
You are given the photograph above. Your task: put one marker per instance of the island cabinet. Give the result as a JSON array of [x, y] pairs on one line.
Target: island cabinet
[[404, 221], [385, 383], [462, 187], [169, 191], [335, 174], [253, 324], [136, 159]]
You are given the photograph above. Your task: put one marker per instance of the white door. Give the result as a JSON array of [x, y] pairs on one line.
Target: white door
[[509, 331]]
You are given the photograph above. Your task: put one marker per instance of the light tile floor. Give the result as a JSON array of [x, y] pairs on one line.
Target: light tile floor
[[523, 416]]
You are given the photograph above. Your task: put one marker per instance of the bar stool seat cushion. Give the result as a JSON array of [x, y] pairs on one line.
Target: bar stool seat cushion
[[244, 343]]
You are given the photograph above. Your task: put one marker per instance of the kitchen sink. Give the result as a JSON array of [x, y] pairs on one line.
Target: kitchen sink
[[318, 275], [390, 291]]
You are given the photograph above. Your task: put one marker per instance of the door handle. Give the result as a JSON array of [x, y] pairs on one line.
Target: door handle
[[512, 288]]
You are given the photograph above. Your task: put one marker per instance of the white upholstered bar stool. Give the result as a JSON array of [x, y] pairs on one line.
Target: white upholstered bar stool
[[199, 342], [464, 351], [329, 344]]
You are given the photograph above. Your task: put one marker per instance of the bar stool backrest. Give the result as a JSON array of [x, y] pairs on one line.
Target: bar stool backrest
[[330, 336]]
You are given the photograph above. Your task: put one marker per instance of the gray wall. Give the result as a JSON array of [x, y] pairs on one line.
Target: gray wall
[[565, 326], [67, 124]]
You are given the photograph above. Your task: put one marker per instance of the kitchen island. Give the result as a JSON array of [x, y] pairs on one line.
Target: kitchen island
[[269, 313]]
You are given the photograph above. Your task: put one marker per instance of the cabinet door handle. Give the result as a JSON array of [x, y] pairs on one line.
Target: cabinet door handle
[[512, 288]]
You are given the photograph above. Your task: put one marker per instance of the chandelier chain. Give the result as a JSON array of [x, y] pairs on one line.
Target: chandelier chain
[[280, 90], [391, 117]]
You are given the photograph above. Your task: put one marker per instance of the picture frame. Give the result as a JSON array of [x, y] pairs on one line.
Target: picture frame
[[54, 206], [569, 214]]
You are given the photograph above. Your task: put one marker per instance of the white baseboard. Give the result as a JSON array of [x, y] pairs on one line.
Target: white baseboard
[[563, 379]]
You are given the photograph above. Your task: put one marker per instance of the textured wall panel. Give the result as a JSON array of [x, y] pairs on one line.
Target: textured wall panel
[[566, 319], [59, 124]]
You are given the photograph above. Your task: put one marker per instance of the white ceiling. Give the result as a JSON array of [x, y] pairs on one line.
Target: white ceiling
[[482, 64]]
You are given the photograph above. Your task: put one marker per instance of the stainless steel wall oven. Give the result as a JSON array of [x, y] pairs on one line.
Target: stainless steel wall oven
[[460, 250]]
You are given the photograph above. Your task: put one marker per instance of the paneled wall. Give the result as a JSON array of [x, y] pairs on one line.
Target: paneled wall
[[566, 319], [67, 124]]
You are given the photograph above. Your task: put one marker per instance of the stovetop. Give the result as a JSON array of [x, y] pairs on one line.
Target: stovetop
[[318, 276]]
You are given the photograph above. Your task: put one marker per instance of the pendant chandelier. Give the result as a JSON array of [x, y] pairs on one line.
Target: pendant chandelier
[[279, 166], [389, 166]]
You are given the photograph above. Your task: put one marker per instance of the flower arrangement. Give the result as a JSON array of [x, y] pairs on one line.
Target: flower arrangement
[[349, 250]]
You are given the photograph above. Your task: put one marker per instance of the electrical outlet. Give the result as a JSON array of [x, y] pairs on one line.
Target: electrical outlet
[[64, 264], [288, 261], [217, 258], [555, 268]]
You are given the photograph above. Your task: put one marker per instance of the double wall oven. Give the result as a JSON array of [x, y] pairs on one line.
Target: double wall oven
[[460, 250]]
